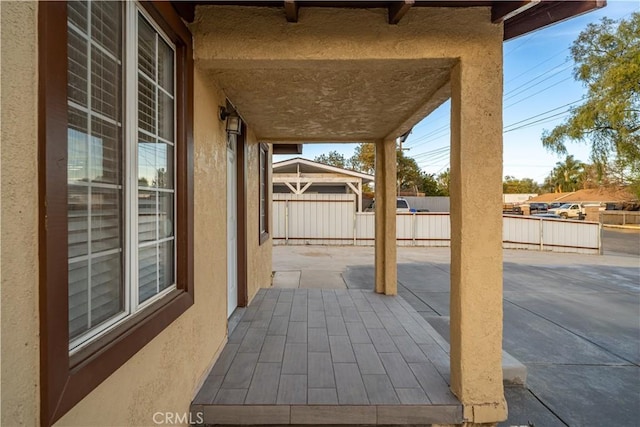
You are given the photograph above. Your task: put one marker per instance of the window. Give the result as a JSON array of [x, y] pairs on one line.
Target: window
[[264, 193], [121, 242], [116, 215]]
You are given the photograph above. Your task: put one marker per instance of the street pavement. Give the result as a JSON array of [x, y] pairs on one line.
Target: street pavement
[[621, 241], [572, 319]]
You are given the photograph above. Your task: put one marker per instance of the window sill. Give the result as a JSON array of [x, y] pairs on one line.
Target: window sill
[[170, 306]]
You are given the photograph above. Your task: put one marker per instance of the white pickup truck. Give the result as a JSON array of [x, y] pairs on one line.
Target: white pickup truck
[[569, 210]]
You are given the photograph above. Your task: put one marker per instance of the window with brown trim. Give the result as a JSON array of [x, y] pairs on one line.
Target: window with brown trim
[[264, 193], [116, 188]]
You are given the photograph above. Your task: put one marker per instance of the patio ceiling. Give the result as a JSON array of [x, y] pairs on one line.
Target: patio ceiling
[[335, 101], [286, 98]]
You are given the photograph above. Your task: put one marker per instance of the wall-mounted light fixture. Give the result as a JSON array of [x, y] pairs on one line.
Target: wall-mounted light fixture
[[234, 122]]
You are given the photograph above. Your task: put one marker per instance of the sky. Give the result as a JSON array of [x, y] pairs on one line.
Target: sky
[[538, 89]]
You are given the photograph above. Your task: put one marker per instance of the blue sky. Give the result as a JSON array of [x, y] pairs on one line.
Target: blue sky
[[538, 81]]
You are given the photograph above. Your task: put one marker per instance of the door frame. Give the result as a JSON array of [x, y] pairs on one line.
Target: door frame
[[241, 222]]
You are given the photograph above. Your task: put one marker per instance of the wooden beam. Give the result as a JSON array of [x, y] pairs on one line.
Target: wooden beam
[[397, 10], [287, 148], [293, 190], [291, 10], [501, 11], [547, 13], [306, 187], [186, 9], [353, 188]]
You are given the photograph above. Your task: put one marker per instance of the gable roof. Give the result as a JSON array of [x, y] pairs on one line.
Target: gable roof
[[309, 166]]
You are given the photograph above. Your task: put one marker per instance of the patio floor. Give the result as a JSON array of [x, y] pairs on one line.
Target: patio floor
[[330, 356]]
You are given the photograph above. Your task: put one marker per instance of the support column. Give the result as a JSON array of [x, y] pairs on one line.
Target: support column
[[385, 242], [476, 237]]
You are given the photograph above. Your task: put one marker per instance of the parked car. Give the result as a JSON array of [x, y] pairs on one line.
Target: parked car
[[537, 207], [554, 205], [570, 210], [511, 209], [402, 205]]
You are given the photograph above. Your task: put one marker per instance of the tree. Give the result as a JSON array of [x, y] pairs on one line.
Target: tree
[[607, 58], [333, 158], [364, 158], [444, 180], [409, 175], [566, 176], [429, 185], [512, 185]]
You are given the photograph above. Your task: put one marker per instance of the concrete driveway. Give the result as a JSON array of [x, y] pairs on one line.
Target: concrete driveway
[[573, 320]]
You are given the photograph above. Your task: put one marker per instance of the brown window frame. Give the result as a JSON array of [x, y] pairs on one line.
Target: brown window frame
[[65, 379], [263, 155]]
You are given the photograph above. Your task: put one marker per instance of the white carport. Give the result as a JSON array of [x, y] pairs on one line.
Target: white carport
[[301, 175]]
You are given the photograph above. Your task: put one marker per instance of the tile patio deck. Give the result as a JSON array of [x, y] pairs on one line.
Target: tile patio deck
[[330, 356]]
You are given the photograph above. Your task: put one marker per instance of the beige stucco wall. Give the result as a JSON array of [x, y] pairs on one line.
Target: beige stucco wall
[[258, 256], [19, 228], [165, 374]]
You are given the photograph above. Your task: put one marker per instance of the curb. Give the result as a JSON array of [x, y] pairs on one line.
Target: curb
[[624, 227]]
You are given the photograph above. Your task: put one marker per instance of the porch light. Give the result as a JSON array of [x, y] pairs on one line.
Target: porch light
[[234, 122]]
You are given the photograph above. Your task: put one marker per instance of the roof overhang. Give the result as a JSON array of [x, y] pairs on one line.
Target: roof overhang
[[301, 165], [342, 73], [519, 17]]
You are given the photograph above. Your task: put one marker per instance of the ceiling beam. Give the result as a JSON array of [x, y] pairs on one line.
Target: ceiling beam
[[287, 148], [291, 10], [186, 10], [397, 10], [547, 13], [501, 11]]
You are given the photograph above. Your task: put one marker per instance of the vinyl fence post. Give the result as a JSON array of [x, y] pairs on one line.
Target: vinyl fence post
[[600, 249], [355, 227], [286, 222], [541, 234], [413, 231]]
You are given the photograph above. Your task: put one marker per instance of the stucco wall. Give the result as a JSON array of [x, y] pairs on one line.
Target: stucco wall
[[258, 256], [164, 375], [19, 234]]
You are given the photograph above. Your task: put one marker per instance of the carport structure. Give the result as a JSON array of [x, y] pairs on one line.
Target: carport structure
[[368, 72], [120, 324]]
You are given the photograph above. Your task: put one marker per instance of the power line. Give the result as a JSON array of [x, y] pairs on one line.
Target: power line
[[523, 88], [539, 92], [544, 120], [542, 114], [443, 130], [524, 123], [536, 67]]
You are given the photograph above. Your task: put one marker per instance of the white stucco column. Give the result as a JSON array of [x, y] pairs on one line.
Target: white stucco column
[[476, 236], [385, 243]]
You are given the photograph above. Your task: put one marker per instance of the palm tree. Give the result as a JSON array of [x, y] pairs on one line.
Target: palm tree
[[567, 175]]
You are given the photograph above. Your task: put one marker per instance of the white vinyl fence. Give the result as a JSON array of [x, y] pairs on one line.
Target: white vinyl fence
[[331, 219]]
